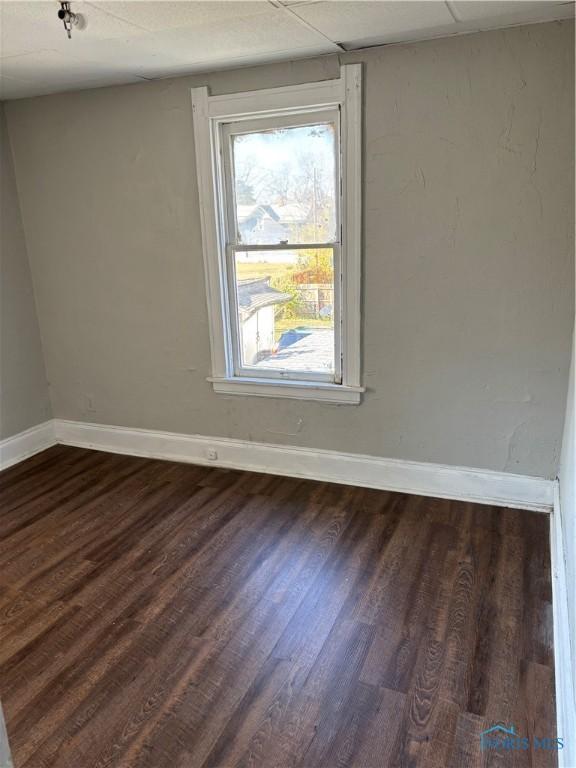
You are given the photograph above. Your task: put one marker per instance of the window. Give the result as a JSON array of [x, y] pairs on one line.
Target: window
[[279, 184]]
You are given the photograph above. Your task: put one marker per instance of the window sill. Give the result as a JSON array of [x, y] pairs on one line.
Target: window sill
[[296, 390]]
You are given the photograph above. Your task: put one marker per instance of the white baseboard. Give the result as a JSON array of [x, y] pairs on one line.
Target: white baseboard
[[462, 483], [565, 694], [25, 444]]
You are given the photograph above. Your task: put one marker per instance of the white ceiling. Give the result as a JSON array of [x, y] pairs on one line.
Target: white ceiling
[[127, 41]]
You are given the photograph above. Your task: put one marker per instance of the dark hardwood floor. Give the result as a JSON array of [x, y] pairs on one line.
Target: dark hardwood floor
[[161, 615]]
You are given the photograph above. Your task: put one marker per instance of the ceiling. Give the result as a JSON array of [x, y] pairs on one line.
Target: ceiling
[[127, 41]]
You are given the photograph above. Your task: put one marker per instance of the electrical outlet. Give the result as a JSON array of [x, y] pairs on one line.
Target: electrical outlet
[[212, 454]]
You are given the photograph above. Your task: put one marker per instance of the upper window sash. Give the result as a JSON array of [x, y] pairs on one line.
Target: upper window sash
[[230, 130]]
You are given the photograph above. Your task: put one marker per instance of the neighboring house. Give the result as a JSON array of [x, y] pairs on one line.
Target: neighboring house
[[270, 224], [257, 300]]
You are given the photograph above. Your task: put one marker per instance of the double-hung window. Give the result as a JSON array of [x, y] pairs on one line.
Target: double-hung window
[[279, 173]]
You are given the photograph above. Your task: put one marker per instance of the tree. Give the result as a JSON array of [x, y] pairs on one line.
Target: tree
[[244, 192], [284, 282], [316, 265]]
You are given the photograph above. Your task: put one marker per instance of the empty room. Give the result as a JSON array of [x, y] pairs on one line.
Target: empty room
[[287, 446]]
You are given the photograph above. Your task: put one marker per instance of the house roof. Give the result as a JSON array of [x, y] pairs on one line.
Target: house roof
[[255, 293], [291, 214], [312, 351], [246, 212], [285, 214]]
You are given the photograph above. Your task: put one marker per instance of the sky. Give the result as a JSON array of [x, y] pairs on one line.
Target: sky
[[285, 151]]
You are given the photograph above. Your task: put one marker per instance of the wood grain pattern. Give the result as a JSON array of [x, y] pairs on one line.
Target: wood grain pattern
[[163, 615]]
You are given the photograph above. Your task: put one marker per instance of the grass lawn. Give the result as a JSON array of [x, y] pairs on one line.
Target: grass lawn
[[247, 271]]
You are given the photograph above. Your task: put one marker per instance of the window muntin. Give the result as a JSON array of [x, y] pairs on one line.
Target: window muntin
[[281, 194]]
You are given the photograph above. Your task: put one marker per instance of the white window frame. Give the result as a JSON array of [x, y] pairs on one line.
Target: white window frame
[[211, 114]]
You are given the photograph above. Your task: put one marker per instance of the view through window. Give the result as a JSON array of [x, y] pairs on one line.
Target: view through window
[[284, 210]]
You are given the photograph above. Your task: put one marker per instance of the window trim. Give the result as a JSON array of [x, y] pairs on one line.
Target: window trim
[[210, 113]]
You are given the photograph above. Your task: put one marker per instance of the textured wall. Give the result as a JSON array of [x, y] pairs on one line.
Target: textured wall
[[24, 398], [468, 258]]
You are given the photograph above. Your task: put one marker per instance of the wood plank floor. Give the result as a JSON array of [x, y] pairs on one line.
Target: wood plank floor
[[161, 615]]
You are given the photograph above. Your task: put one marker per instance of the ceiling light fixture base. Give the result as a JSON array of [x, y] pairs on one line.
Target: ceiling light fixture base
[[69, 18]]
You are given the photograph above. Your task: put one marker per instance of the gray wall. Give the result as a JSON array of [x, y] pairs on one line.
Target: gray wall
[[24, 398], [468, 256]]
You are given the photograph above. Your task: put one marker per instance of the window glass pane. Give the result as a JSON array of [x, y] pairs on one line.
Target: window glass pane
[[286, 310], [285, 185]]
